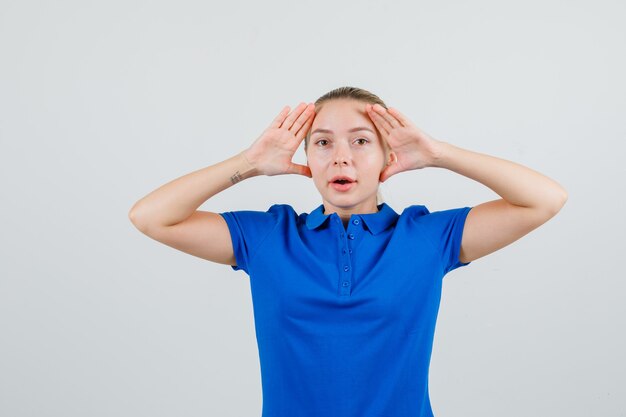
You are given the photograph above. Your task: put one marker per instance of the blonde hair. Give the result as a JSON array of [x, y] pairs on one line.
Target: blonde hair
[[353, 93]]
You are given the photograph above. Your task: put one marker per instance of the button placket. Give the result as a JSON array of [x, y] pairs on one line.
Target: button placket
[[348, 238], [345, 277], [346, 271]]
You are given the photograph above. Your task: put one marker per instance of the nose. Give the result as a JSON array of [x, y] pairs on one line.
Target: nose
[[342, 155]]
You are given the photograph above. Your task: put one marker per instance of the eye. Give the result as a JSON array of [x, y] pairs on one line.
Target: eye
[[321, 140], [364, 140]]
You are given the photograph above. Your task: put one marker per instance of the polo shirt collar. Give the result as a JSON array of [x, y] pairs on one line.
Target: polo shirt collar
[[375, 222]]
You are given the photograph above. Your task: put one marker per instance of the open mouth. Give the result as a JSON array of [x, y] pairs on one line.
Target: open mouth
[[342, 183], [342, 179]]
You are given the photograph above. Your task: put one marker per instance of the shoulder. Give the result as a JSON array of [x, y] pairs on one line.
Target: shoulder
[[437, 222], [413, 215], [282, 209], [287, 217], [276, 214], [283, 212], [422, 214], [415, 212], [279, 215], [274, 211]]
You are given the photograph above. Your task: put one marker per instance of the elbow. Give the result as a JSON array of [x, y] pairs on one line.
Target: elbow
[[135, 218], [562, 199], [132, 216], [559, 200]]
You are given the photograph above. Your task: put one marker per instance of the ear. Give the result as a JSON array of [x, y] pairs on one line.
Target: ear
[[392, 158]]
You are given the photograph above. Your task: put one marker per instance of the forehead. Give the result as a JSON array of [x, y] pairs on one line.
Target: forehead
[[341, 115]]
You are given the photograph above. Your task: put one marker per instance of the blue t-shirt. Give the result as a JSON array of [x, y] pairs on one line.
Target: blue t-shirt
[[345, 316]]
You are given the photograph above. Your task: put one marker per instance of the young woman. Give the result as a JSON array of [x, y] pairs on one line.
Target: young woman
[[346, 297]]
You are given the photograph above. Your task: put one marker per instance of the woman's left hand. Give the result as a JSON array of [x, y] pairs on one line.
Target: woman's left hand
[[413, 148]]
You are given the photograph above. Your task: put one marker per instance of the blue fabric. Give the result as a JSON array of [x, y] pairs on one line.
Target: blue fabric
[[345, 317]]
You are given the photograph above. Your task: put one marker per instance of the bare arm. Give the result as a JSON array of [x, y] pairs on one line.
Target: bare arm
[[529, 199], [175, 201], [170, 213]]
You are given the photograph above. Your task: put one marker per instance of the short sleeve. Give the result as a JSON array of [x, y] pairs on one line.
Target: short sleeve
[[248, 229], [446, 231]]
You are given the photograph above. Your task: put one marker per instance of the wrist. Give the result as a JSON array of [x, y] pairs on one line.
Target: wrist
[[440, 154], [248, 169]]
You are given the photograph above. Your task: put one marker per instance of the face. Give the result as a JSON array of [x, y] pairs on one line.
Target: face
[[336, 148]]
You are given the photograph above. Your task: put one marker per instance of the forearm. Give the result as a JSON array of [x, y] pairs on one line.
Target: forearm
[[178, 199], [513, 182]]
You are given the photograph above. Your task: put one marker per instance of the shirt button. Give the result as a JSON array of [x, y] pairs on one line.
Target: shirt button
[[344, 251], [355, 221], [346, 268], [350, 250], [350, 236], [345, 283]]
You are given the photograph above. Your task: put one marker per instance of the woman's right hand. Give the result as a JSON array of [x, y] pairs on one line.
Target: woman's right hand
[[271, 153]]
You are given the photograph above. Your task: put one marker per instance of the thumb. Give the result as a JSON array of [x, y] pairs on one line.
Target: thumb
[[388, 172], [300, 170]]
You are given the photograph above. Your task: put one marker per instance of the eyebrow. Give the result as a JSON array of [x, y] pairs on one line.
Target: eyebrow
[[354, 129]]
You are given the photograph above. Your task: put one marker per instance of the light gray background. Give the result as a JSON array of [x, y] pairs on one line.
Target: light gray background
[[102, 102]]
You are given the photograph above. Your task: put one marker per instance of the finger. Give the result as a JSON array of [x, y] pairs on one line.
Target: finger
[[391, 168], [392, 121], [379, 122], [305, 127], [279, 119], [401, 118], [300, 170], [388, 172], [293, 116], [383, 175], [302, 119]]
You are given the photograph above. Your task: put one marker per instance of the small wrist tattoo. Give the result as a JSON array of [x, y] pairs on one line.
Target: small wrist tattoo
[[236, 178]]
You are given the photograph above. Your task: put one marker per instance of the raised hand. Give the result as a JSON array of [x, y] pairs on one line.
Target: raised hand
[[272, 152], [413, 148]]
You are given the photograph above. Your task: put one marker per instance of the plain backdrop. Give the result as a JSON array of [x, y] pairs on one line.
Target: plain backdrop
[[103, 102]]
